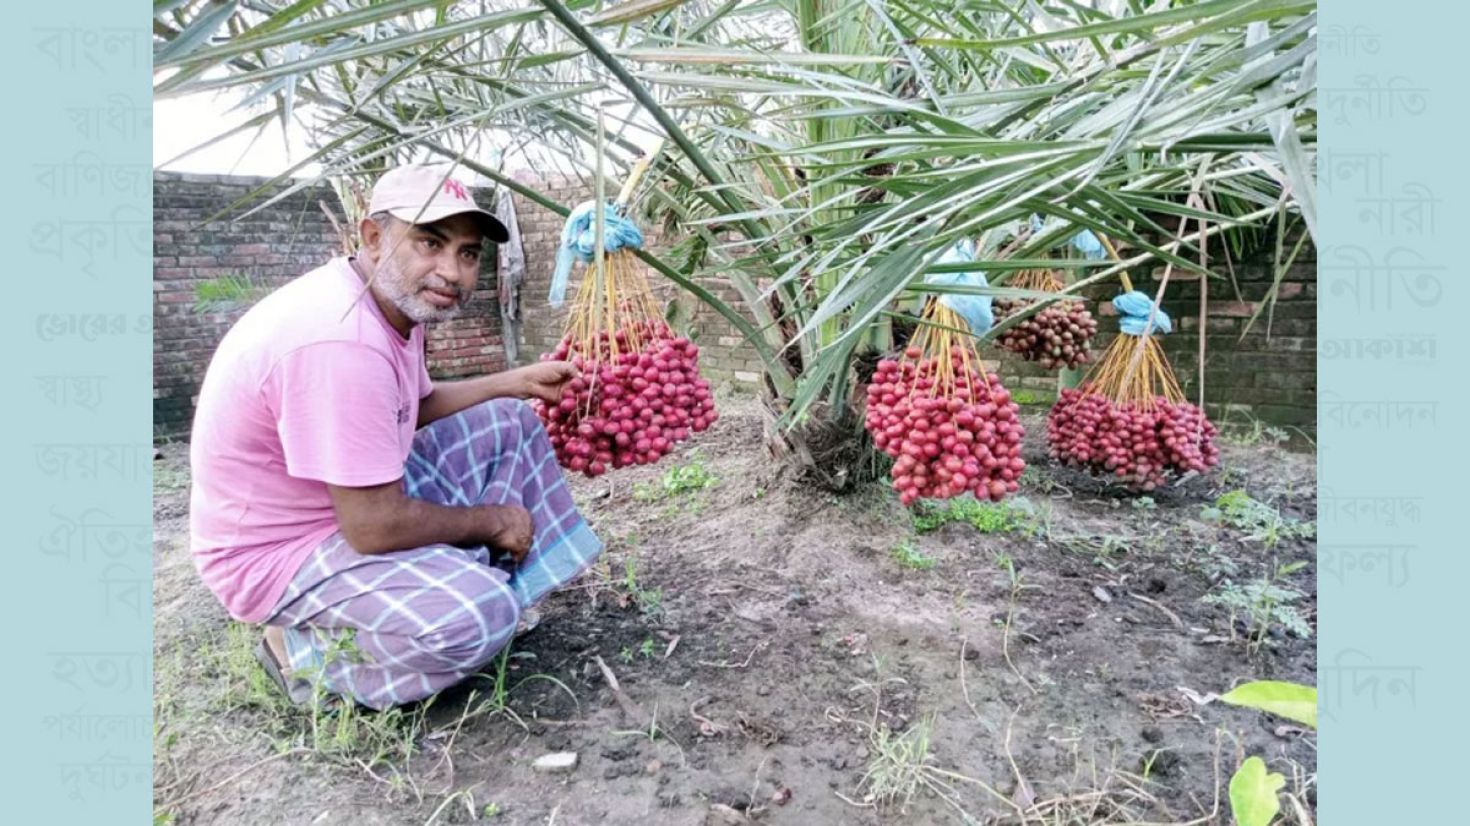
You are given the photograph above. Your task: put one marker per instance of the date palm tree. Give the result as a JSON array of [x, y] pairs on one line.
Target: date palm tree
[[821, 155]]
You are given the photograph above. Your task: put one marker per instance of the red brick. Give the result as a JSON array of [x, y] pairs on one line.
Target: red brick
[[1236, 309]]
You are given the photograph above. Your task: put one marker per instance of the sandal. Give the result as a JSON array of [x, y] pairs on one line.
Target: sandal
[[530, 618], [297, 690]]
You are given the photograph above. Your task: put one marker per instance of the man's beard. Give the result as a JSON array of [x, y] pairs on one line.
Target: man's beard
[[409, 300]]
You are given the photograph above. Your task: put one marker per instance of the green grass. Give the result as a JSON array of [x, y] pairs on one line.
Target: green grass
[[1262, 522], [1106, 551], [219, 699], [908, 555], [216, 700], [1263, 603], [1032, 398], [650, 601], [1016, 515], [897, 769], [679, 480], [228, 292], [678, 485], [346, 733], [246, 683], [1213, 563]]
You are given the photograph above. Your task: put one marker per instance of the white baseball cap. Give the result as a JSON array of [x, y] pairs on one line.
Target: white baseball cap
[[425, 193]]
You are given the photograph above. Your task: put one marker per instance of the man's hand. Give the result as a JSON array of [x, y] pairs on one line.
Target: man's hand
[[545, 380], [510, 530], [383, 518]]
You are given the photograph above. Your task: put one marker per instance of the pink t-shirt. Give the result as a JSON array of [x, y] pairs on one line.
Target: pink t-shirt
[[311, 386]]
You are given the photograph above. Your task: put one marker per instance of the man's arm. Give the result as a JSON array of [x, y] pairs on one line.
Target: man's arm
[[543, 380], [383, 518], [450, 397]]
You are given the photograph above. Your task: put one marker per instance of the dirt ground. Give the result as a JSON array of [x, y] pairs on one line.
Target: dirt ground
[[788, 656]]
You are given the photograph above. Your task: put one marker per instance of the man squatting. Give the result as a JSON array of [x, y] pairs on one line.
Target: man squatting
[[390, 531]]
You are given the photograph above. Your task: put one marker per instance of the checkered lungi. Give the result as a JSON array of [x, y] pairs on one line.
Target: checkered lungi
[[392, 628]]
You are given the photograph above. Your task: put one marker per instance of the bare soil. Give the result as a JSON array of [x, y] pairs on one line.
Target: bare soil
[[771, 649]]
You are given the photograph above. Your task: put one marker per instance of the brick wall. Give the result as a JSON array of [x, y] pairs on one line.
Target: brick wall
[[272, 247]]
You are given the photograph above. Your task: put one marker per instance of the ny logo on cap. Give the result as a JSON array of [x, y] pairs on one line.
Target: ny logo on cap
[[455, 188]]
